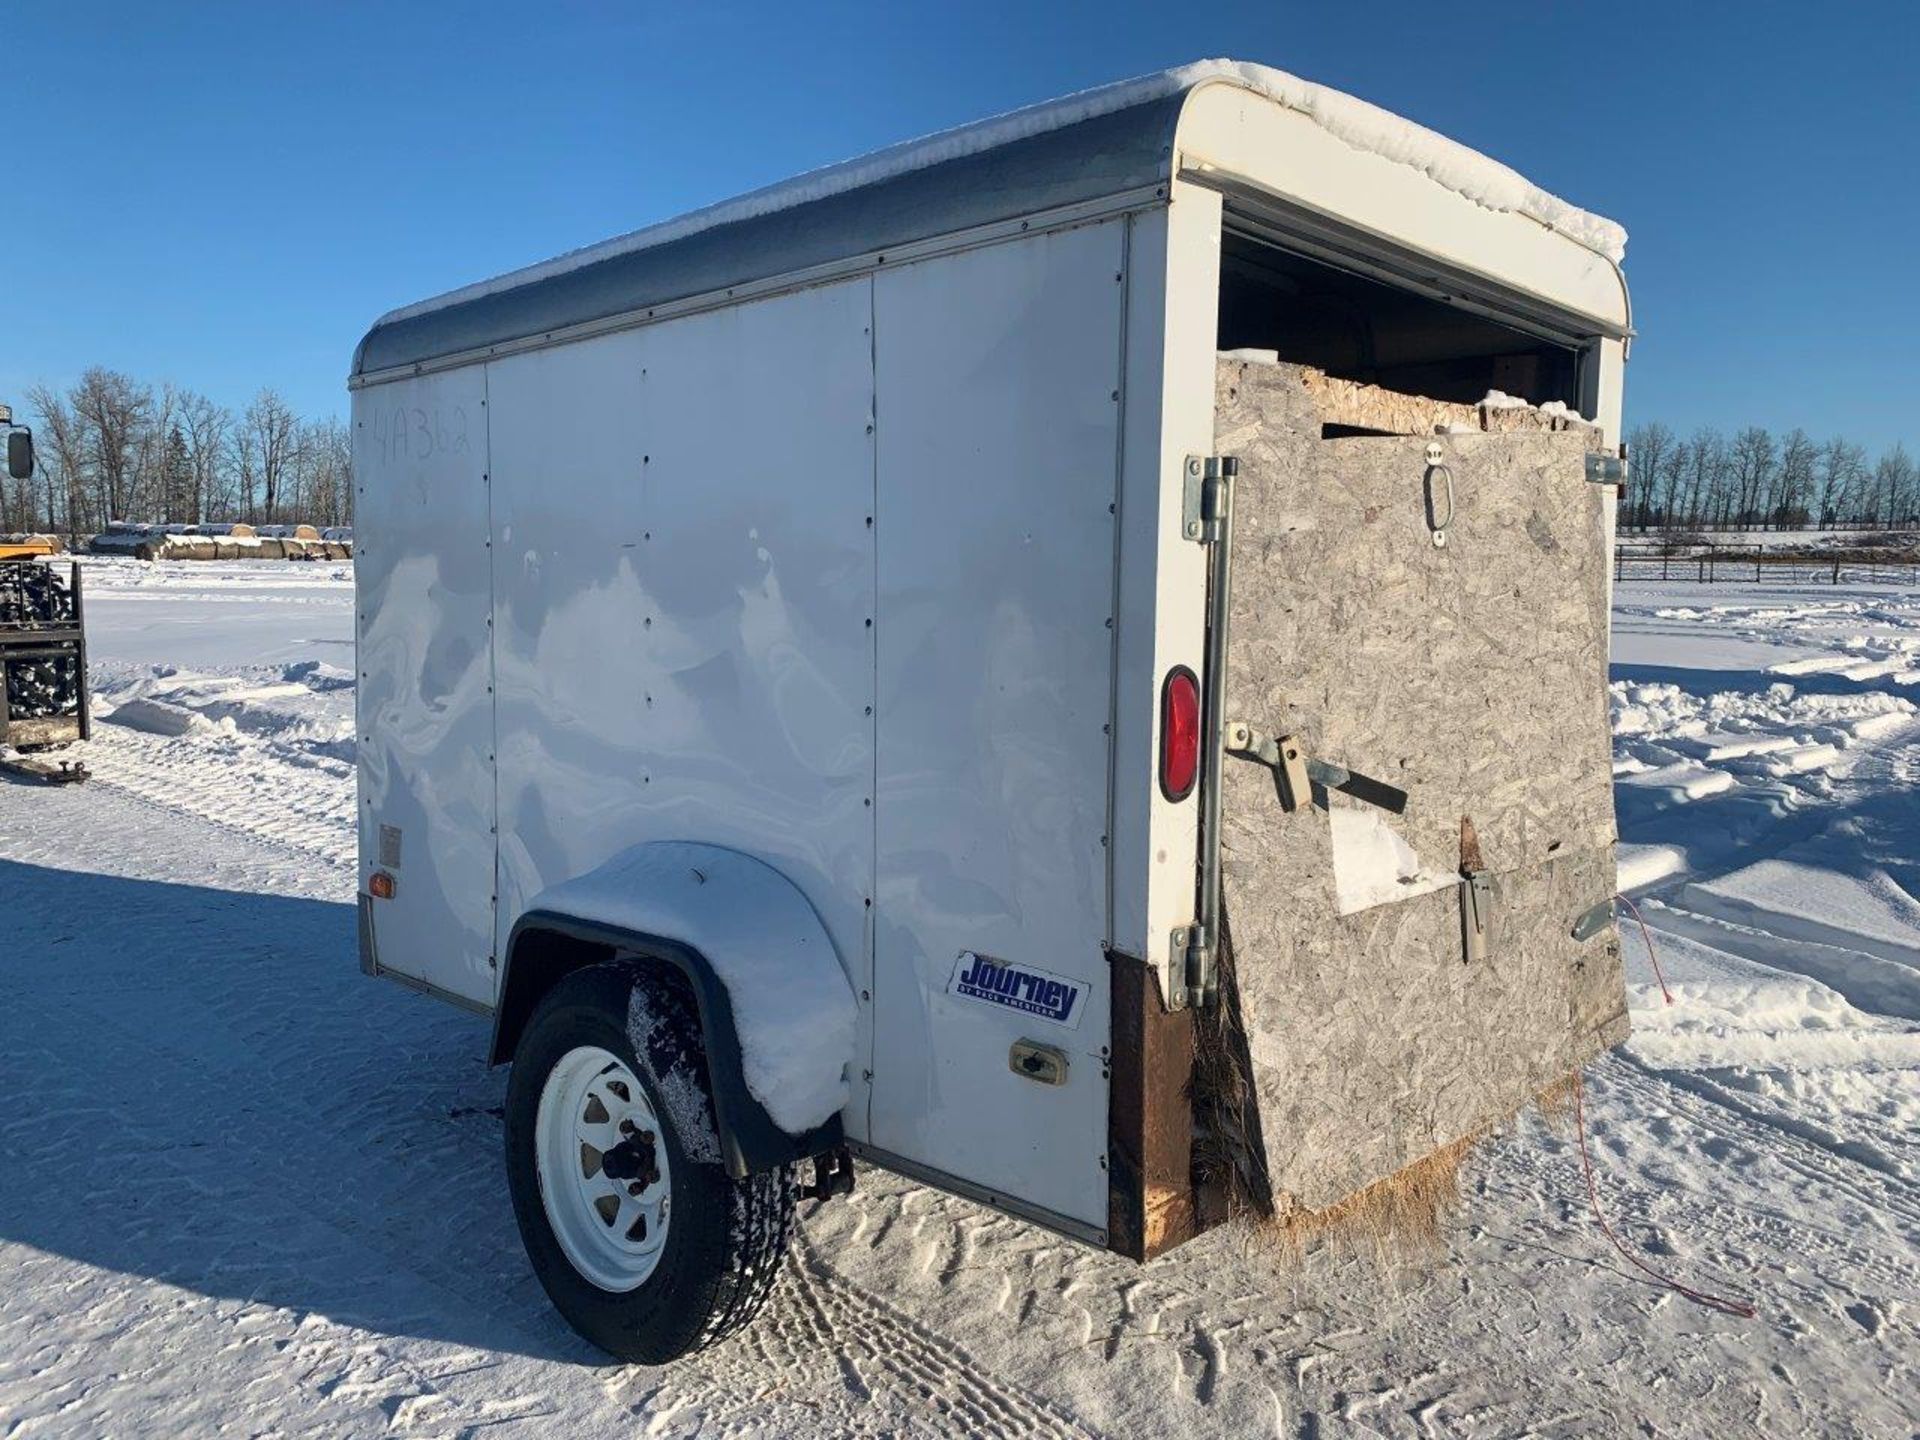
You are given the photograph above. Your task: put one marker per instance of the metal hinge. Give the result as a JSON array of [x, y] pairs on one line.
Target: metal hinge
[[1203, 496], [1190, 978]]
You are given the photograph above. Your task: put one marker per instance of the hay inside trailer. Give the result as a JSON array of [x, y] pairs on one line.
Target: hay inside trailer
[[1400, 983]]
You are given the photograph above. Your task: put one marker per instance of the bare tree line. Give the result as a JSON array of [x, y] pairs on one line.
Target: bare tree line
[[115, 448], [1754, 480]]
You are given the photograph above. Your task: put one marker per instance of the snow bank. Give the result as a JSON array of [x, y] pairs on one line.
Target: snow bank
[[792, 1006], [280, 706], [1641, 865], [1364, 126], [157, 717]]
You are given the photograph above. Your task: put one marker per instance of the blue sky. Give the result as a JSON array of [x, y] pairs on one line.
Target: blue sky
[[226, 194]]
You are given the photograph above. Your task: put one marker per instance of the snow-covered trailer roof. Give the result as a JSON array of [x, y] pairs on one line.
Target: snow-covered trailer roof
[[1115, 141]]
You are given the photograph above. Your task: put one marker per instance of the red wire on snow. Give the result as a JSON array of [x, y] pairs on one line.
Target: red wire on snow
[[1742, 1308], [1652, 954]]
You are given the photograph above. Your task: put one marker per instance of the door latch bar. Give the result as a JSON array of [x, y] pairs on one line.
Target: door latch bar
[[1294, 773], [1207, 519]]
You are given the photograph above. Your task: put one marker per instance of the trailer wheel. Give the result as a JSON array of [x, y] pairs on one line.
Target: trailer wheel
[[641, 1239]]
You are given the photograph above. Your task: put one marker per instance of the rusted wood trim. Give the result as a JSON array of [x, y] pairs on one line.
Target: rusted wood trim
[[1150, 1197]]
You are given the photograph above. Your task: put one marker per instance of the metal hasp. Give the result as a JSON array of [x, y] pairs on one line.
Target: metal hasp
[[1438, 481], [1476, 913], [1294, 774], [1207, 519]]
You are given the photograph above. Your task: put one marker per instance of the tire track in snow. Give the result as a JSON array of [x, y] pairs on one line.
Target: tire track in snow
[[306, 814], [1901, 1191], [858, 1364]]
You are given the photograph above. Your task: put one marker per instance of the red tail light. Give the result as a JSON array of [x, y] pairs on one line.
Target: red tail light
[[1179, 733]]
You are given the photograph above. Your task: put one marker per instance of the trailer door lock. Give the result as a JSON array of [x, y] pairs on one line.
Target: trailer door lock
[[1038, 1062]]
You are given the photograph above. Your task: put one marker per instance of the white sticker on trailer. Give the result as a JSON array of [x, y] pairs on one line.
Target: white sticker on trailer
[[1018, 987]]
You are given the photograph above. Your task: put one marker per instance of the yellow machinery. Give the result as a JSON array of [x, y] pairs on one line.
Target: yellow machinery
[[25, 547]]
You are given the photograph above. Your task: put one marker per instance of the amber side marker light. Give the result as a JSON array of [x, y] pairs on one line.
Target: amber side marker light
[[381, 885]]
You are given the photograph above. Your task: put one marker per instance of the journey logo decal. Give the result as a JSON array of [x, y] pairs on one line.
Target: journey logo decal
[[1018, 987]]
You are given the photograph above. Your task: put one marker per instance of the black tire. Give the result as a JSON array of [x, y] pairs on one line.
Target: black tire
[[726, 1237]]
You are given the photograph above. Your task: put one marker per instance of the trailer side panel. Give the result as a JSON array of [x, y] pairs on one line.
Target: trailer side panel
[[684, 601], [425, 700], [998, 387]]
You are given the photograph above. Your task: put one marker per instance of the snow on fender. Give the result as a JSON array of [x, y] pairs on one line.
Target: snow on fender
[[793, 1007]]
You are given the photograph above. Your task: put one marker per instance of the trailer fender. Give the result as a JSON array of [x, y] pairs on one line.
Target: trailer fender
[[776, 1010]]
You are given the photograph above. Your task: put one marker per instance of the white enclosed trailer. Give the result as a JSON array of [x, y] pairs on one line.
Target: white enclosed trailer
[[795, 697]]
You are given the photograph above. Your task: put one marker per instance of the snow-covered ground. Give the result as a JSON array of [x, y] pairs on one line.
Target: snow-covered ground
[[246, 1191]]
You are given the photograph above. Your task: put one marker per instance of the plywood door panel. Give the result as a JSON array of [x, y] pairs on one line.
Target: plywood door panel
[[1473, 676]]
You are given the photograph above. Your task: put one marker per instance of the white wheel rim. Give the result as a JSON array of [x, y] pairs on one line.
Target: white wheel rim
[[611, 1228]]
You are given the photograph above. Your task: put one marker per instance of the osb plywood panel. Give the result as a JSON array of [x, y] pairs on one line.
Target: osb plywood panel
[[1472, 676]]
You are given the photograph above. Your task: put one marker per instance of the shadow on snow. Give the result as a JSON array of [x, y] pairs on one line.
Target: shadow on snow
[[198, 1086]]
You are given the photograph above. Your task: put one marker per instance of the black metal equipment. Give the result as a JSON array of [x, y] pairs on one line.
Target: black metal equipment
[[43, 667]]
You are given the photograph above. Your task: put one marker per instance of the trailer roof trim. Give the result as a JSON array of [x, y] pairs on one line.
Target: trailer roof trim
[[1095, 143]]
